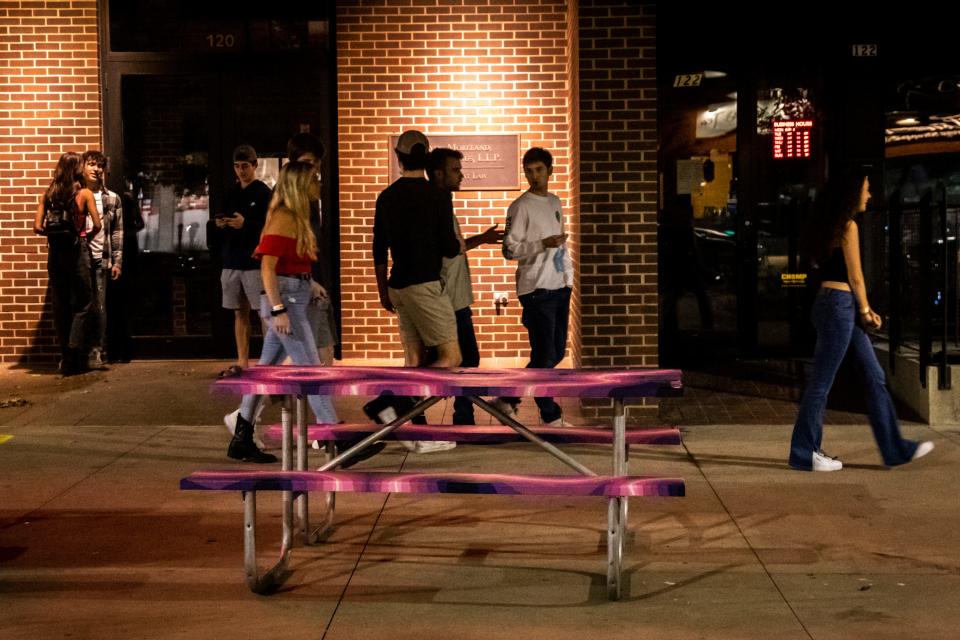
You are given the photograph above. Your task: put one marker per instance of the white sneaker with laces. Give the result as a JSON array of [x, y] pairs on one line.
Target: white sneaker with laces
[[923, 449], [559, 423], [429, 446], [823, 462]]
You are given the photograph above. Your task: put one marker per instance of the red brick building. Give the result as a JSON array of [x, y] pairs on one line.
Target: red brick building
[[577, 77]]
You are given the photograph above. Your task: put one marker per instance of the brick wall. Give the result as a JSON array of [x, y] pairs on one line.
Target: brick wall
[[49, 103], [618, 185], [498, 66]]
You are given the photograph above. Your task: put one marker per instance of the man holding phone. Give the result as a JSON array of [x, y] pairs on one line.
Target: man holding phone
[[240, 225]]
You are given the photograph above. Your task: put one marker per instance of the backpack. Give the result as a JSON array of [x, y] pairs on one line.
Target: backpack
[[58, 220]]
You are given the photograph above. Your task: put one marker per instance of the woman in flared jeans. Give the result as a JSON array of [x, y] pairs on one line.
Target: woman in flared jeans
[[837, 334], [832, 242]]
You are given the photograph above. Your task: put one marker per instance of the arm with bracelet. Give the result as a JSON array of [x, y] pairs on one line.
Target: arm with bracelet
[[850, 243]]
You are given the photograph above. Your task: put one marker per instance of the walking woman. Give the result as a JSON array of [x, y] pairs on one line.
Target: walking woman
[[839, 311], [62, 217], [287, 251]]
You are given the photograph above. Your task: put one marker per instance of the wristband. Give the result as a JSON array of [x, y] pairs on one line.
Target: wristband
[[278, 310]]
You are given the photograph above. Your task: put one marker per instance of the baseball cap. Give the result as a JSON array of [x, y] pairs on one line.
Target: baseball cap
[[410, 139]]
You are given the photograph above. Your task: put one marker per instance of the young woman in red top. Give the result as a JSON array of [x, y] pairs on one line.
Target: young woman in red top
[[287, 250], [62, 217]]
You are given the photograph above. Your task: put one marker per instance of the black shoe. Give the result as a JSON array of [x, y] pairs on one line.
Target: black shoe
[[73, 363], [242, 447], [369, 452], [400, 405]]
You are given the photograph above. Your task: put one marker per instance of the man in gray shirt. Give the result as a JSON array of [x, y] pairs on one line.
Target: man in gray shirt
[[445, 172]]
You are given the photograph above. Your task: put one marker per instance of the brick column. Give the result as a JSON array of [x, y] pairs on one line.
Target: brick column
[[618, 188], [50, 97]]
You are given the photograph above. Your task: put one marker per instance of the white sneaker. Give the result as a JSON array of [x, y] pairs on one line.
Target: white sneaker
[[428, 446], [823, 462], [230, 422], [504, 407], [559, 423], [922, 449], [95, 359]]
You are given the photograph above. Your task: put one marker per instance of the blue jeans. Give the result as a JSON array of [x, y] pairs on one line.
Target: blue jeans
[[546, 315], [470, 358], [833, 316], [298, 344]]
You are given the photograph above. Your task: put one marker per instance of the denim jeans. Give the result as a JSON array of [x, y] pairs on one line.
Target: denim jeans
[[298, 344], [98, 308], [546, 315], [470, 358], [833, 316]]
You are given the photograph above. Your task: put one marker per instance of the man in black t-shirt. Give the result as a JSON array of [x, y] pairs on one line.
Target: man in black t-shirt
[[415, 223], [240, 225]]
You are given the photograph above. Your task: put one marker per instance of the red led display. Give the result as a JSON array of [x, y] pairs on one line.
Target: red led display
[[791, 138]]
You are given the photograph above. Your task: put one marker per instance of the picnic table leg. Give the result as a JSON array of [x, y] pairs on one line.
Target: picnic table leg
[[621, 450], [286, 459], [276, 574], [617, 506], [304, 532]]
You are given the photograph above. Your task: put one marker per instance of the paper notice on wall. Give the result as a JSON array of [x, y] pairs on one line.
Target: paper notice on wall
[[689, 176]]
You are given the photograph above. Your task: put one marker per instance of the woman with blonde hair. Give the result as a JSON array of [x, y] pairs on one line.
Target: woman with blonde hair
[[287, 250], [61, 216], [841, 313]]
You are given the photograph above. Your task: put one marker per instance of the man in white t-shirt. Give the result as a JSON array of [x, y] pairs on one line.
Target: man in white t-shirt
[[534, 237], [106, 250]]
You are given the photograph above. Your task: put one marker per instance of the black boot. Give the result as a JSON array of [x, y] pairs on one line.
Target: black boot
[[70, 364], [242, 446]]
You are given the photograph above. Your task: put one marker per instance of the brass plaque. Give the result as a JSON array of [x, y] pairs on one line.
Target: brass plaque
[[491, 162]]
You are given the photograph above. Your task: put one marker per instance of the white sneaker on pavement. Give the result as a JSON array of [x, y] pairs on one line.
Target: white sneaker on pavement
[[428, 446], [823, 462], [923, 449]]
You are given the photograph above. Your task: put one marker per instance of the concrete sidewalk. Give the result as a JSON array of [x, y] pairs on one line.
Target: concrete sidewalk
[[96, 540]]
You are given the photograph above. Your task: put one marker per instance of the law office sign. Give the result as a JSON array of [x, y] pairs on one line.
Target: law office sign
[[491, 162]]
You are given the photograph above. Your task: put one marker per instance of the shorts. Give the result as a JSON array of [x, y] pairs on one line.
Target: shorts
[[237, 283], [425, 313]]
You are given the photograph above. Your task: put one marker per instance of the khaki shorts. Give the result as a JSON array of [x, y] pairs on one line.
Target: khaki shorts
[[425, 313]]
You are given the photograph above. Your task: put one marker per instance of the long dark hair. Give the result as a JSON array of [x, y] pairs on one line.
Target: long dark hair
[[832, 212], [66, 179]]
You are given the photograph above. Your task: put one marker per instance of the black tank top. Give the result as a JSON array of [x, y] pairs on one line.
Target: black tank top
[[835, 267]]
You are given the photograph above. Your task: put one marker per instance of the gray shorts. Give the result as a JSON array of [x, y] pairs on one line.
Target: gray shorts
[[237, 284], [323, 323]]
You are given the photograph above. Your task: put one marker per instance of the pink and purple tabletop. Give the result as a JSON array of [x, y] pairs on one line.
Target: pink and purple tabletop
[[371, 381]]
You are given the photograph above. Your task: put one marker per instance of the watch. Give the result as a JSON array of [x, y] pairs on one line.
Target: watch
[[278, 310]]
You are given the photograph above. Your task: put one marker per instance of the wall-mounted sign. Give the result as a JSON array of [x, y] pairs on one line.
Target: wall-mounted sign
[[791, 138], [864, 51], [491, 162]]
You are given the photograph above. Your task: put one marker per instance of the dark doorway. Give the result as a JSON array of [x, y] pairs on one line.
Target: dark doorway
[[184, 83]]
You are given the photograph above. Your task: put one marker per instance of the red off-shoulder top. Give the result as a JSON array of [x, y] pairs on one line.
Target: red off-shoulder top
[[289, 263]]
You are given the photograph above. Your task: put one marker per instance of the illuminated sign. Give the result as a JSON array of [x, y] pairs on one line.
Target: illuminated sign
[[791, 138]]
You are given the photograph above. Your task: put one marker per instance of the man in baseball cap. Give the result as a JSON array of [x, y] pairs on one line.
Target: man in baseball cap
[[414, 224]]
